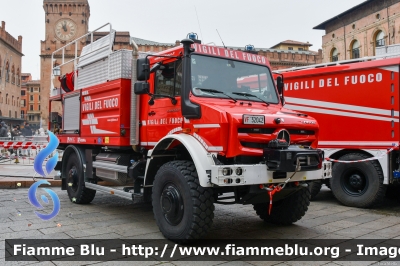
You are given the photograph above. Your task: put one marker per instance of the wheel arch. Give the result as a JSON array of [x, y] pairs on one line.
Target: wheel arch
[[383, 162], [189, 145], [337, 154]]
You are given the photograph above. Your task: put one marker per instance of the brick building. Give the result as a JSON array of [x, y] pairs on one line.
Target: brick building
[[65, 20], [25, 77], [33, 106], [10, 76], [358, 31]]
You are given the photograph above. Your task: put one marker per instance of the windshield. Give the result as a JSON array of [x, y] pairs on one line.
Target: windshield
[[232, 79]]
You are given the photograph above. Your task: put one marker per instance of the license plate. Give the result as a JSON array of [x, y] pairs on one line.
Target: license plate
[[253, 119]]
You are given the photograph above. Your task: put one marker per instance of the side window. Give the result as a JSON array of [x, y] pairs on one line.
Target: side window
[[169, 79]]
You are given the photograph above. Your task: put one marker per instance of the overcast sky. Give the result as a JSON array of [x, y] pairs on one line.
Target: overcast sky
[[262, 23]]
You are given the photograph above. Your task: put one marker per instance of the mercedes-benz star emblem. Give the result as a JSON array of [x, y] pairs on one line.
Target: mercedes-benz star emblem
[[283, 135]]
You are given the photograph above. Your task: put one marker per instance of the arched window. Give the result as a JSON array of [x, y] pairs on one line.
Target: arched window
[[7, 72], [379, 39], [334, 55], [12, 100], [12, 75], [355, 49], [7, 98], [18, 78]]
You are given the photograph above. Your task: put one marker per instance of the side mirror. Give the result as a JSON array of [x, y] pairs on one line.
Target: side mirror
[[279, 84], [142, 69], [141, 88]]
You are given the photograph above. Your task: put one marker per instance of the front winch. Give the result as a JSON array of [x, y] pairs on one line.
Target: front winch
[[285, 159]]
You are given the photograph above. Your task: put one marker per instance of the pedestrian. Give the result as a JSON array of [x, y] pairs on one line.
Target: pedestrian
[[15, 132], [27, 131], [3, 130]]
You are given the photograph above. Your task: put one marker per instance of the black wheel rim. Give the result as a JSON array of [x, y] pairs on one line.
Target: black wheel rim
[[73, 179], [354, 182], [171, 203]]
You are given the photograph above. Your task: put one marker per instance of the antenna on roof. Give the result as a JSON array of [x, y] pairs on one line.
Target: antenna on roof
[[221, 39], [198, 22]]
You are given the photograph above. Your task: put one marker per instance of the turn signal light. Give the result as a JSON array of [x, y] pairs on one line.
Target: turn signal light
[[186, 130]]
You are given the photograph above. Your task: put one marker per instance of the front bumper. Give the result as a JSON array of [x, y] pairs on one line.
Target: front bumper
[[236, 175]]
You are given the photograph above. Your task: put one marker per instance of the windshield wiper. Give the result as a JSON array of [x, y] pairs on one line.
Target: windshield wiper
[[216, 91], [249, 95]]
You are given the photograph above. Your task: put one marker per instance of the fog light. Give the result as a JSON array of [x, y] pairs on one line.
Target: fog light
[[239, 171], [227, 171], [228, 180]]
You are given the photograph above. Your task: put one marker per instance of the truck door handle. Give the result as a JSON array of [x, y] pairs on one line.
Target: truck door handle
[[152, 113]]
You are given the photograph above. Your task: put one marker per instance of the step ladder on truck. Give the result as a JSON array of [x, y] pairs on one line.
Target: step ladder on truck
[[181, 129], [356, 104]]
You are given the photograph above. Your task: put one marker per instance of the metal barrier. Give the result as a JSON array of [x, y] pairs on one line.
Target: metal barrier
[[21, 149]]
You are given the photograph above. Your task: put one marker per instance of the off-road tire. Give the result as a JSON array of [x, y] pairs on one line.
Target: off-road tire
[[192, 211], [287, 210], [76, 189], [314, 188], [358, 184]]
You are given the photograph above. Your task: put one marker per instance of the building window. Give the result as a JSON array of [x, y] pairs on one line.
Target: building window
[[39, 97], [290, 48], [7, 72], [31, 107], [301, 49], [31, 98], [39, 107], [22, 114], [31, 89], [39, 89], [18, 78], [16, 114], [22, 92], [12, 75], [379, 39], [9, 113], [355, 50]]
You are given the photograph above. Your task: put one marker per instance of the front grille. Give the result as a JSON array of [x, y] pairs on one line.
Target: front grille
[[254, 145], [256, 130], [301, 132], [272, 130]]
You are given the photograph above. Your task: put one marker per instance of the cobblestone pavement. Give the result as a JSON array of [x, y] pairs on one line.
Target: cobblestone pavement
[[110, 217]]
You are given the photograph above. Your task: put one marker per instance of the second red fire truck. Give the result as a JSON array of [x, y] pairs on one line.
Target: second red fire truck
[[356, 104], [184, 129]]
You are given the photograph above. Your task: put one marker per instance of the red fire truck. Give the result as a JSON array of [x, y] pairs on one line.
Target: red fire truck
[[182, 129], [356, 103]]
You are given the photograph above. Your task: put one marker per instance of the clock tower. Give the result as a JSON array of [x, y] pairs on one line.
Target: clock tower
[[65, 21]]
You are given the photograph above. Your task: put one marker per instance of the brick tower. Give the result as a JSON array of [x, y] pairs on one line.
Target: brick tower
[[65, 21]]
